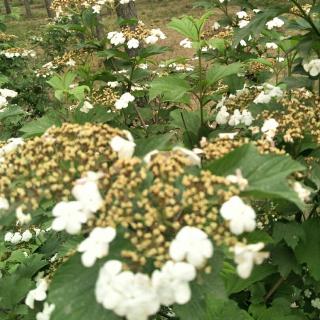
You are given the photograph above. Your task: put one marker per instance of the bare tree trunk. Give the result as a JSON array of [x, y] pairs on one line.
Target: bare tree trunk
[[28, 9], [48, 7], [126, 11], [7, 6]]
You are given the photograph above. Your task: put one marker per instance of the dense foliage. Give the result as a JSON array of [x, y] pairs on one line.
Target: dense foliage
[[137, 186]]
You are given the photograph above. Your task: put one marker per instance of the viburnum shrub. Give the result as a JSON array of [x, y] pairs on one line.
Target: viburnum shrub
[[157, 186]]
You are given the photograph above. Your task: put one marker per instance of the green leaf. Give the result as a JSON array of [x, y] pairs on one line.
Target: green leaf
[[79, 92], [12, 111], [226, 310], [219, 71], [13, 289], [266, 174], [171, 88], [308, 251], [235, 284], [291, 233], [258, 23], [186, 27], [160, 142], [285, 260], [38, 126]]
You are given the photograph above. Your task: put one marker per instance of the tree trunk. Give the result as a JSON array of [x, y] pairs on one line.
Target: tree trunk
[[48, 7], [7, 6], [126, 11], [28, 9]]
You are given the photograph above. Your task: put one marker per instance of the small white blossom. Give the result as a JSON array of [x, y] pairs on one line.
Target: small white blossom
[[316, 303], [87, 106], [22, 217], [26, 236], [246, 118], [113, 84], [96, 246], [195, 160], [241, 14], [45, 314], [243, 23], [246, 256], [8, 236], [227, 135], [303, 193], [124, 147], [4, 204], [69, 216], [274, 23], [86, 191], [235, 118], [133, 43], [312, 67], [222, 116], [186, 43], [124, 101], [116, 38], [191, 244], [269, 128], [238, 179], [7, 93], [241, 216], [172, 282], [37, 294], [17, 237], [125, 293], [271, 45]]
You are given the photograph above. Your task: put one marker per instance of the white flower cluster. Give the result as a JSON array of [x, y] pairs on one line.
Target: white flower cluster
[[138, 296], [22, 54], [71, 215], [124, 100], [223, 117], [118, 38], [96, 246], [240, 216], [18, 237], [312, 67], [246, 256], [268, 93], [275, 23], [4, 94], [46, 70], [124, 147]]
